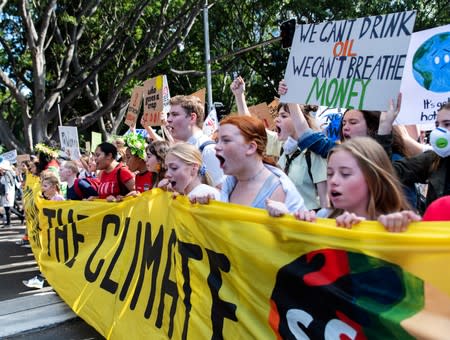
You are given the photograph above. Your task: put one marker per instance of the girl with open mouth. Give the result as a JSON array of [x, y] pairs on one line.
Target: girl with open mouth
[[362, 185], [252, 180], [306, 169], [185, 173]]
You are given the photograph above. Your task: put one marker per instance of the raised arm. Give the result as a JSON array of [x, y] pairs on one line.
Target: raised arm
[[152, 133], [388, 117], [412, 146], [167, 134], [238, 89], [299, 120], [307, 138], [385, 129]]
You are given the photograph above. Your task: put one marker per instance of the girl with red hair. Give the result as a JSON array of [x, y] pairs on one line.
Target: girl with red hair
[[252, 179]]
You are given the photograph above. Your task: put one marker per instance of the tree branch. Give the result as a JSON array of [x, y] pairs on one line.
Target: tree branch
[[46, 17], [15, 92]]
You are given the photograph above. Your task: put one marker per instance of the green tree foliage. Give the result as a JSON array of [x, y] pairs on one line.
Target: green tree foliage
[[88, 55], [79, 60], [237, 24]]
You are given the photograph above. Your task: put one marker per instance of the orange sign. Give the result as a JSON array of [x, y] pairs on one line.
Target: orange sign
[[134, 107], [200, 94]]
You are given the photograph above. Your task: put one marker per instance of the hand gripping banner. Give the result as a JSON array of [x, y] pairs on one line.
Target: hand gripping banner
[[158, 267]]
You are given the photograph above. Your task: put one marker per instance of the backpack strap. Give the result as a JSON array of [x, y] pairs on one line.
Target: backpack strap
[[76, 187], [123, 190], [205, 144], [289, 160], [308, 163]]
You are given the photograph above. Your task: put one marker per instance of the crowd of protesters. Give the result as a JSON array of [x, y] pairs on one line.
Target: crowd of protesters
[[372, 173]]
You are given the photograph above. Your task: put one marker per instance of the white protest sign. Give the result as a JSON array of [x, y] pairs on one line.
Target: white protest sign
[[211, 123], [10, 156], [68, 137], [96, 139], [356, 63], [156, 100], [426, 79]]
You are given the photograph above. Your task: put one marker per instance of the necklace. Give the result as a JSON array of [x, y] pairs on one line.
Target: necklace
[[252, 177]]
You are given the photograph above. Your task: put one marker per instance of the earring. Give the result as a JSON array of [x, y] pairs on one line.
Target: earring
[[158, 167]]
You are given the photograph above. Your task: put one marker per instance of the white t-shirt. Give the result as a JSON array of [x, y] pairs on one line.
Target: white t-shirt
[[203, 189]]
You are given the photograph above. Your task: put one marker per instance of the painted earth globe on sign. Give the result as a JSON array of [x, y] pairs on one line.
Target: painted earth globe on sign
[[431, 63]]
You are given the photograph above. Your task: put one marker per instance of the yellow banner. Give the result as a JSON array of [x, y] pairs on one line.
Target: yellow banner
[[157, 267]]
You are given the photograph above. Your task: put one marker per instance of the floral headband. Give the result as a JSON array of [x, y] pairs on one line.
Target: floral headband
[[46, 150], [136, 144]]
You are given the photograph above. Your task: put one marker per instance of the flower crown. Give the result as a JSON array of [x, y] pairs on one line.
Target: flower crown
[[46, 150], [136, 144]]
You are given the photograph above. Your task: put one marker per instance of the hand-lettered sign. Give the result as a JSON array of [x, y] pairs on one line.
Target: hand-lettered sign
[[68, 137], [156, 100], [355, 63], [426, 80], [134, 107]]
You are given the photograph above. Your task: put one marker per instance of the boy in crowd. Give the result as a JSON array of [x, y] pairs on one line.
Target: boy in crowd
[[77, 189], [185, 121]]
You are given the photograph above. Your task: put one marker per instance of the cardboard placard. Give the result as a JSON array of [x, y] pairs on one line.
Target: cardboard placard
[[22, 158], [134, 107], [156, 100], [263, 112], [273, 107], [200, 94]]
